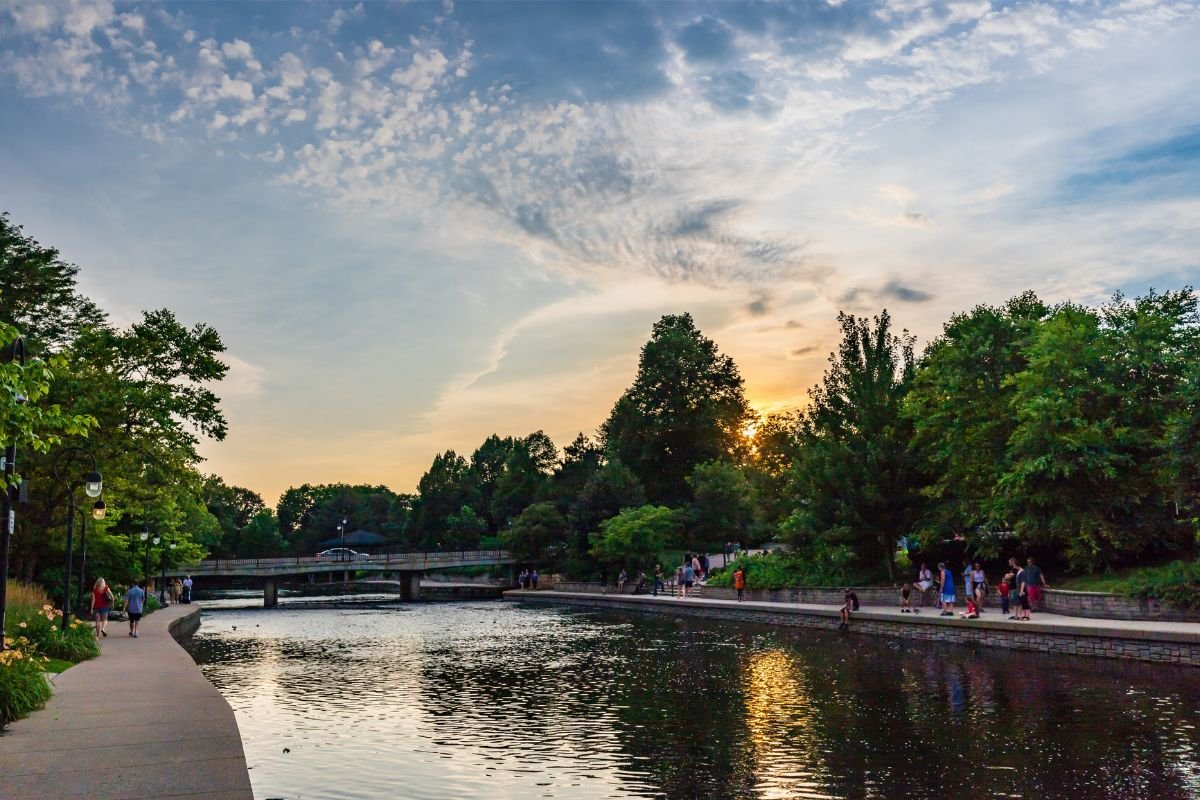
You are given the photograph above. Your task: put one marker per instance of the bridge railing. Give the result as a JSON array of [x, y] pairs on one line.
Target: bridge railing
[[435, 557]]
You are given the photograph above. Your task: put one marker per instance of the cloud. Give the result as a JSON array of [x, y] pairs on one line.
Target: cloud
[[344, 15], [706, 39], [893, 290]]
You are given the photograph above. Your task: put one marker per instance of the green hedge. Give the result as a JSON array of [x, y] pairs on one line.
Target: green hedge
[[23, 684], [1176, 584]]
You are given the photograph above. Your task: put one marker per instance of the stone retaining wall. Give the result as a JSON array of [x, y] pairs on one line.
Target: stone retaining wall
[[980, 633], [1091, 605]]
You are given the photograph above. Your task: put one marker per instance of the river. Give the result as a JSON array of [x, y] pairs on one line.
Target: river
[[494, 700]]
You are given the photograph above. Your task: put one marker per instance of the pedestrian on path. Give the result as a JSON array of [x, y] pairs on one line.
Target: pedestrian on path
[[1035, 579], [658, 579], [533, 579], [689, 577], [102, 600], [739, 582], [979, 584], [187, 589], [968, 585], [946, 576], [135, 600]]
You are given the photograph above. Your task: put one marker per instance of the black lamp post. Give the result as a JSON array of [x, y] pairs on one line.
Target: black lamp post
[[162, 573], [145, 537], [92, 486], [14, 352], [342, 533], [98, 511]]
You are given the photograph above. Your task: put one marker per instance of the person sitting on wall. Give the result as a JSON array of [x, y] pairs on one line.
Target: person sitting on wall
[[850, 605]]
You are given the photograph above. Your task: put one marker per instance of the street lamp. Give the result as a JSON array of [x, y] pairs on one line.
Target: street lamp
[[98, 511], [342, 533], [13, 352], [92, 486]]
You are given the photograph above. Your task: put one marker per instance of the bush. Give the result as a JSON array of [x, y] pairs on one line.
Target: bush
[[23, 685], [1176, 584], [31, 615], [785, 570]]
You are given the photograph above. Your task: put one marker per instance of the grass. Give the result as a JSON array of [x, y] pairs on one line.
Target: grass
[[57, 665], [1176, 583]]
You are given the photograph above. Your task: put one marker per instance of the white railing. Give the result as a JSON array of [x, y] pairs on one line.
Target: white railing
[[427, 558]]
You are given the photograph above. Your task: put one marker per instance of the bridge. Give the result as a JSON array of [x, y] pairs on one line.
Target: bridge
[[407, 568]]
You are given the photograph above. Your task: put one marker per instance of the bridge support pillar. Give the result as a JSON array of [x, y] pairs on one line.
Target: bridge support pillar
[[270, 593], [410, 585]]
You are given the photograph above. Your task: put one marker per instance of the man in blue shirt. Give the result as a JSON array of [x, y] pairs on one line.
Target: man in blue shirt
[[135, 601]]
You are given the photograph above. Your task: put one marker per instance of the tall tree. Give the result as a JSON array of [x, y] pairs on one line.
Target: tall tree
[[686, 406], [1090, 452], [855, 481], [539, 536], [721, 509], [443, 490], [610, 490], [960, 409]]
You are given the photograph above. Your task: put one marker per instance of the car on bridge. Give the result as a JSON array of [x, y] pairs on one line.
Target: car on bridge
[[341, 554]]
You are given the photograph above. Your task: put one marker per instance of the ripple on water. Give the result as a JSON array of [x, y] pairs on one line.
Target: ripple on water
[[493, 700]]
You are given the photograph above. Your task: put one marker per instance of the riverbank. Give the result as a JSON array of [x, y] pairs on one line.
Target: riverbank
[[1161, 642], [139, 721]]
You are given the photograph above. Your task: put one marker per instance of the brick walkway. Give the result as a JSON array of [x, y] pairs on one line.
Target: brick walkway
[[140, 721]]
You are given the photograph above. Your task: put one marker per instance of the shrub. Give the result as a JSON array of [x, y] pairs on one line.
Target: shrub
[[31, 615], [23, 685], [1176, 584]]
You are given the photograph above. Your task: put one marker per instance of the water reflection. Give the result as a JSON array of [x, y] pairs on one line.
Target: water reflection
[[492, 700]]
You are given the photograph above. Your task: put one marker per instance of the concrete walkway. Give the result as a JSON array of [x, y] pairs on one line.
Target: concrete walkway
[[991, 619], [140, 721]]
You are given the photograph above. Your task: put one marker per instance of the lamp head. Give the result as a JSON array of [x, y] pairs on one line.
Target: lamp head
[[99, 509], [156, 539], [92, 484], [144, 535]]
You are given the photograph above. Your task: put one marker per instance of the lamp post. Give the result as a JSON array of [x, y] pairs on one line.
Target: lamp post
[[145, 537], [98, 511], [14, 352], [342, 533], [162, 574], [92, 486]]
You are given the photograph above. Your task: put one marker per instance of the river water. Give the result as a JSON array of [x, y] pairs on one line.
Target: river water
[[496, 700]]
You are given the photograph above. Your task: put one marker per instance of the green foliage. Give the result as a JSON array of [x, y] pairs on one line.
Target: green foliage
[[539, 535], [1091, 472], [787, 570], [23, 686], [854, 479], [721, 510], [607, 492], [635, 538], [959, 407], [31, 614], [1177, 585], [464, 529], [310, 514], [686, 406]]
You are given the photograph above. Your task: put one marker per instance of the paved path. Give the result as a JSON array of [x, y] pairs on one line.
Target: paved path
[[138, 722], [1041, 622]]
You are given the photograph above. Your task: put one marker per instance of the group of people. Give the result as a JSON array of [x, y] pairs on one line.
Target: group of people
[[528, 579], [103, 600], [1019, 591], [102, 604]]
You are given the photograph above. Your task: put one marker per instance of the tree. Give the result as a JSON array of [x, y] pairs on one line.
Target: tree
[[39, 298], [610, 490], [720, 510], [686, 406], [539, 535], [464, 528], [767, 471], [960, 409], [443, 490], [855, 481], [636, 538], [1090, 455], [582, 458]]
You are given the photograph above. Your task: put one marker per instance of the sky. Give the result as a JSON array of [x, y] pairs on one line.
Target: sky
[[416, 224]]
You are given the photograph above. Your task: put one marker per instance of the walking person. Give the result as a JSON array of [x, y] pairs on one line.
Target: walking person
[[187, 589], [624, 576], [533, 579], [1035, 580], [979, 583], [102, 600], [946, 576], [689, 577], [739, 582], [968, 584], [1014, 587], [658, 579], [697, 572], [135, 600]]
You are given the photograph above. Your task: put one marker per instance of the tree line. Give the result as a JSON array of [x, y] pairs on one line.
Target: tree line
[[1069, 430]]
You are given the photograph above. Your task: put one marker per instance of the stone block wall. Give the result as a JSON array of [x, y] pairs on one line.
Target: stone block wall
[[1002, 635], [1099, 605]]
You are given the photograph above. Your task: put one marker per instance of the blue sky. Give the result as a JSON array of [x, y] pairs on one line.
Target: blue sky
[[418, 224]]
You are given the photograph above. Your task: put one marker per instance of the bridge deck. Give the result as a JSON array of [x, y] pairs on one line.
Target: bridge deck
[[382, 562]]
